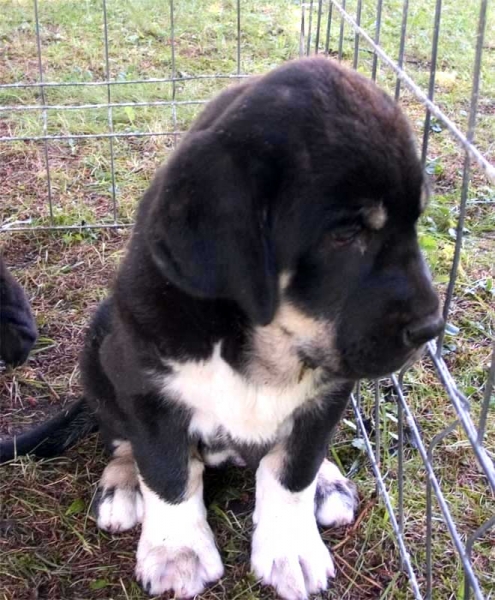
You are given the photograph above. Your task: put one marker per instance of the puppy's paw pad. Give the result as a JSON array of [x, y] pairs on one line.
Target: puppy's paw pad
[[336, 497], [180, 570], [295, 569], [118, 509]]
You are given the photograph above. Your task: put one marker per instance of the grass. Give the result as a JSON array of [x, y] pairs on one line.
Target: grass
[[50, 546]]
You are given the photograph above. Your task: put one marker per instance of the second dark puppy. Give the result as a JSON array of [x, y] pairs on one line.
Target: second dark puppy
[[18, 331]]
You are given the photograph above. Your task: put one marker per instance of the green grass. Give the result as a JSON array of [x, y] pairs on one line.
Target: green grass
[[51, 546]]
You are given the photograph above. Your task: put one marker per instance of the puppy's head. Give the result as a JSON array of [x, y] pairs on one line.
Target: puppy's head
[[17, 326], [311, 172]]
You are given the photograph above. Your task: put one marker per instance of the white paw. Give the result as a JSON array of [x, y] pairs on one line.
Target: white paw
[[118, 508], [336, 497], [183, 564], [177, 550], [118, 504], [294, 560]]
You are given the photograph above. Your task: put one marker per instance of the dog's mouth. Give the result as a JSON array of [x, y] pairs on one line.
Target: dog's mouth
[[359, 369], [341, 354], [414, 357], [394, 364]]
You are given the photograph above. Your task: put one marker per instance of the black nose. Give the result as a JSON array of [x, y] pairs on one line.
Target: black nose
[[421, 331]]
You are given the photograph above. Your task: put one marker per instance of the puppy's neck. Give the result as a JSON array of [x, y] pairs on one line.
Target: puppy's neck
[[276, 353]]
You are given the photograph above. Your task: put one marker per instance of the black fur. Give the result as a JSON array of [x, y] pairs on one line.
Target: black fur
[[270, 175], [54, 436], [268, 180], [307, 444], [18, 331], [276, 176]]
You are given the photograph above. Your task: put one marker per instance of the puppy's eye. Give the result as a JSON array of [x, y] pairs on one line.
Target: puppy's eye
[[345, 234]]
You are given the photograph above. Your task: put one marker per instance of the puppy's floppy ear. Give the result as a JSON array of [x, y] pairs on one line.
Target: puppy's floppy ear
[[207, 226]]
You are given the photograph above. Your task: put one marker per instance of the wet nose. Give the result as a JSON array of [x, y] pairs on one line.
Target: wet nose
[[423, 330]]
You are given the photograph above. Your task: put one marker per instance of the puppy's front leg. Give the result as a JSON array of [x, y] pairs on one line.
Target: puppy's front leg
[[177, 550], [287, 551]]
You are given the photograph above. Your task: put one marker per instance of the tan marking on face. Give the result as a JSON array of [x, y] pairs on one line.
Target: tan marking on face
[[295, 321], [275, 348], [375, 217]]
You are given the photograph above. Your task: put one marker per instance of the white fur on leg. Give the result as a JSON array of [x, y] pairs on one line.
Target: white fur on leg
[[336, 497], [118, 504], [177, 550], [288, 552]]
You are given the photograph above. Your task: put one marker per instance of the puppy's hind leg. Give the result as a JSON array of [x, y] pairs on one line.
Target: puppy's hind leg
[[118, 504], [336, 497]]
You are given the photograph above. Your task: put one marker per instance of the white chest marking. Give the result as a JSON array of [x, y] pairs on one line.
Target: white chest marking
[[223, 399]]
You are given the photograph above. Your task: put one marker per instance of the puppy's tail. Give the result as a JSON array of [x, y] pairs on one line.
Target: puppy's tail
[[54, 436]]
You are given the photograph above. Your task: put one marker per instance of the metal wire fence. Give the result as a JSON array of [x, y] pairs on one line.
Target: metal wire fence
[[319, 22], [348, 30]]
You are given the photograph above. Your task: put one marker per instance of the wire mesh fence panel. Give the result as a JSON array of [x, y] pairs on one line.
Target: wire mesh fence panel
[[432, 79], [95, 87], [94, 96]]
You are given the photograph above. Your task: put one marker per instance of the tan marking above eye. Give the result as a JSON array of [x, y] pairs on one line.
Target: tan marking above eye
[[375, 217]]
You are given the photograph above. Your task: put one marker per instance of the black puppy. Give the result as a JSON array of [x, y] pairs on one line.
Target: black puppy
[[274, 261], [17, 326]]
